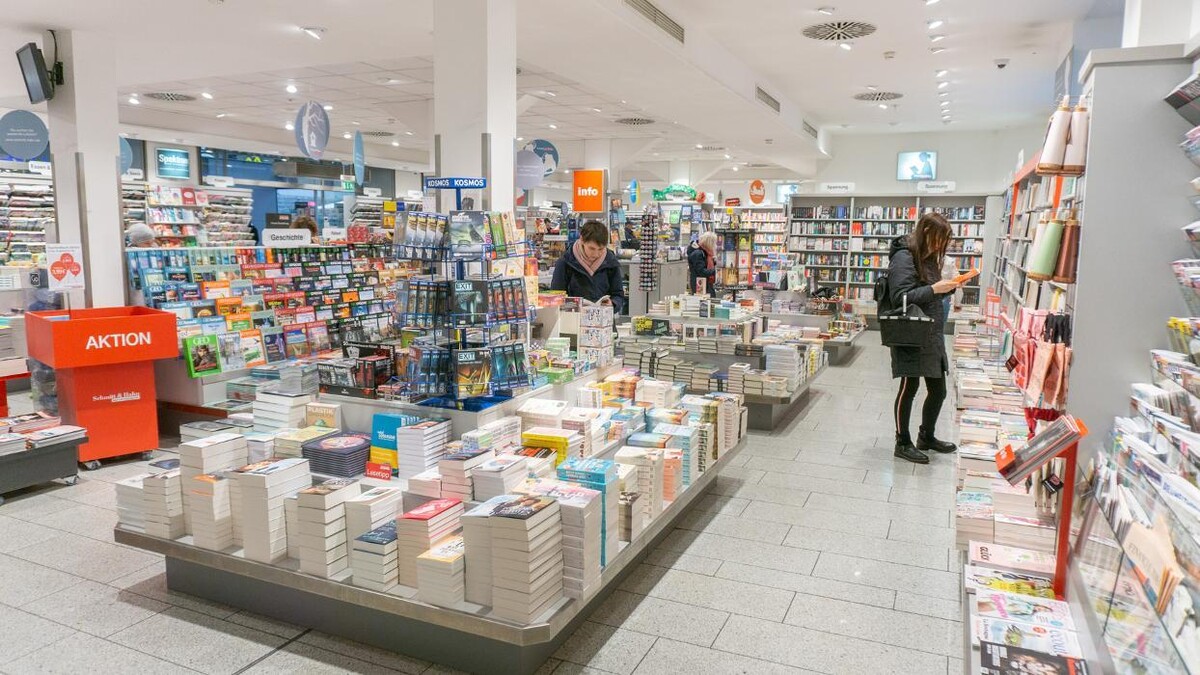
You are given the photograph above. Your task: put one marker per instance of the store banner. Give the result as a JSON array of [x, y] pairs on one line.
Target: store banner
[[758, 191], [173, 163], [360, 158], [23, 134], [312, 129], [289, 238], [588, 193], [65, 266], [635, 191]]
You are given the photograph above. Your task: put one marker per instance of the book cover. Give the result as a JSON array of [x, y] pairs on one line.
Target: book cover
[[523, 508], [1025, 636], [240, 321], [999, 555], [987, 579], [214, 289], [318, 337], [1004, 659], [473, 372], [1024, 609], [328, 415], [274, 346], [230, 346], [466, 232], [252, 348], [296, 339], [201, 354], [431, 509]]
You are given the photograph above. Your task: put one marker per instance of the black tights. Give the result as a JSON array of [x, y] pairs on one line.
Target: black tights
[[935, 394]]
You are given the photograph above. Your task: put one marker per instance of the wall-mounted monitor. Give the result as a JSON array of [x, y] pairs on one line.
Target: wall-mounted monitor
[[918, 165], [33, 69], [784, 192]]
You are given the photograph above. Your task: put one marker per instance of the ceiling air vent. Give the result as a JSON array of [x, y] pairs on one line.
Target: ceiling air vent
[[378, 133], [171, 96], [839, 31], [656, 16], [877, 96], [756, 165], [809, 129], [634, 121], [712, 148], [770, 101]]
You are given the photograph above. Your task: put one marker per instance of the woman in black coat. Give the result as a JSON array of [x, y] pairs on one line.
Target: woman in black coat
[[589, 270], [915, 271], [702, 264]]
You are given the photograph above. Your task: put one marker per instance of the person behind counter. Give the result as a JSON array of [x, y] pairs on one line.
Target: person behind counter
[[589, 270]]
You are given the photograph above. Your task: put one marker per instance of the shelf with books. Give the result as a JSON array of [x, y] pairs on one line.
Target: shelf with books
[[227, 217], [26, 205]]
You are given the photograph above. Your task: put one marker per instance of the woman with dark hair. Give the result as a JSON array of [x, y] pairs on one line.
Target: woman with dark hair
[[702, 264], [589, 270], [306, 223], [915, 272]]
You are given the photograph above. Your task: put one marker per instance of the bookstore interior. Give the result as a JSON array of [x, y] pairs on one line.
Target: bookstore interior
[[328, 351]]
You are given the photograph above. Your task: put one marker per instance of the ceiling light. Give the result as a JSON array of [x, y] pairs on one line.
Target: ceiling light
[[945, 103], [727, 156], [395, 144], [553, 126], [937, 50], [355, 123], [133, 100], [206, 96], [941, 73], [289, 126], [935, 23], [409, 133], [827, 11], [931, 2], [655, 154], [943, 93], [221, 115], [871, 87], [883, 106], [699, 146], [936, 38], [846, 46], [550, 94], [735, 168], [943, 84], [291, 88], [314, 32], [622, 101], [520, 138], [346, 135], [596, 110], [328, 107]]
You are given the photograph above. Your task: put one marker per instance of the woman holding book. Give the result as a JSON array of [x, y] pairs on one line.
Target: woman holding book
[[701, 256], [915, 272], [589, 270]]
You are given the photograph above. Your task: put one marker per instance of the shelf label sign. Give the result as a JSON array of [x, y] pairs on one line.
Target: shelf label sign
[[835, 188], [381, 471], [334, 234], [42, 168], [375, 192], [758, 191], [23, 134], [289, 238], [449, 183], [587, 191], [173, 163], [938, 187], [64, 263]]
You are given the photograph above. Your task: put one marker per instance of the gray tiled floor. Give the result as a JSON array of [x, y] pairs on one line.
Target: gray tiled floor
[[814, 553]]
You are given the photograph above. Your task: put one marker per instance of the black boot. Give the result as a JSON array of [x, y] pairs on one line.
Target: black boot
[[905, 450], [926, 441]]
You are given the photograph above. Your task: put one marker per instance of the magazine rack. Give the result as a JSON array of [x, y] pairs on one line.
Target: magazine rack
[[103, 361]]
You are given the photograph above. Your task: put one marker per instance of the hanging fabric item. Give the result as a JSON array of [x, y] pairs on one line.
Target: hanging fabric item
[[1075, 157], [1055, 148], [1068, 253], [1041, 264]]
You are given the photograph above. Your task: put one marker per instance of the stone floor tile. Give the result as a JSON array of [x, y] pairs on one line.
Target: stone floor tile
[[668, 657], [95, 608], [610, 649], [198, 641], [732, 526], [898, 577], [803, 583], [924, 515], [664, 618], [784, 558], [876, 624], [24, 633], [723, 595], [22, 581], [86, 557], [299, 657], [820, 518], [951, 610], [86, 653], [815, 539], [364, 652]]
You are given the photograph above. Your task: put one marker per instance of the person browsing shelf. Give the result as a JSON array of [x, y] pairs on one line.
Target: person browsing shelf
[[139, 235], [702, 262], [915, 272], [589, 270]]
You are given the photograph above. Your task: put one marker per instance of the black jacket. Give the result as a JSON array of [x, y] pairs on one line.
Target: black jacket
[[698, 267], [929, 360], [570, 276]]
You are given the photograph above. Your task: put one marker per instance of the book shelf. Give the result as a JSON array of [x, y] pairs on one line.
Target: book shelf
[[227, 217], [133, 204], [844, 241], [26, 213]]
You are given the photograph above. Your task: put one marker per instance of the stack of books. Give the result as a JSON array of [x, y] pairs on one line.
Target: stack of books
[[290, 442], [672, 474], [162, 502], [704, 376], [497, 476], [291, 519], [527, 558], [784, 361], [599, 475], [321, 526], [686, 439], [440, 573], [192, 431], [973, 516], [420, 446], [24, 424], [1032, 532], [320, 414], [649, 481], [426, 484], [565, 442], [264, 486], [592, 424], [455, 469], [274, 410], [581, 520], [341, 454], [373, 557], [212, 454], [11, 444], [260, 445], [477, 539], [371, 509], [541, 412], [210, 511], [419, 529], [131, 507], [501, 435], [634, 516]]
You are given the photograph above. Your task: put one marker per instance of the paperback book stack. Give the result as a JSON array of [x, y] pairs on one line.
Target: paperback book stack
[[275, 411], [689, 442], [581, 528], [440, 573], [290, 442], [420, 446], [260, 445], [131, 507], [426, 484], [321, 531], [497, 476], [599, 475], [784, 361], [419, 529], [564, 442], [973, 516], [192, 431], [456, 469], [527, 558], [211, 513], [162, 498], [634, 516], [11, 444], [373, 557], [672, 474], [291, 520], [477, 539], [341, 454], [264, 486], [212, 454], [541, 412], [371, 509], [501, 435], [590, 423], [649, 481]]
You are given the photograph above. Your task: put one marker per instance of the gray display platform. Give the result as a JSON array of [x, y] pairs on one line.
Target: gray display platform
[[840, 351], [41, 465], [767, 413], [469, 641]]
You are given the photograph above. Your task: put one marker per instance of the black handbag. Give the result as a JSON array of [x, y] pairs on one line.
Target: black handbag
[[905, 326]]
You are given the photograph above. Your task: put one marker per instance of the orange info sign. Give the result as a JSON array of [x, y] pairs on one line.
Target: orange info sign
[[588, 192]]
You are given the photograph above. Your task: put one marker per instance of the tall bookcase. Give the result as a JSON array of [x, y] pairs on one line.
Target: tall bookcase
[[844, 241]]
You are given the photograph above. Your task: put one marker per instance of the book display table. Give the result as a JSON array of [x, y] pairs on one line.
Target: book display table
[[841, 349], [40, 465], [469, 639], [767, 413], [103, 360]]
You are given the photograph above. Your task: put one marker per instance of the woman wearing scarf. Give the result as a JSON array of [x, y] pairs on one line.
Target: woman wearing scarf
[[702, 263], [589, 270]]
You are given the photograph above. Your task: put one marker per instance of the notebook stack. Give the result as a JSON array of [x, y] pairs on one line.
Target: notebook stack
[[498, 476], [426, 484], [600, 475], [580, 512], [274, 410], [210, 511], [527, 558], [290, 442], [192, 431], [419, 529], [564, 442], [371, 509], [649, 482], [420, 446], [477, 538], [440, 573], [342, 454], [131, 506], [541, 412], [455, 469], [162, 499], [321, 526], [633, 516], [264, 486], [373, 557]]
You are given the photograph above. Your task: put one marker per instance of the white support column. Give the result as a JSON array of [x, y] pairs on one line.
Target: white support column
[[85, 153], [475, 94], [1157, 22]]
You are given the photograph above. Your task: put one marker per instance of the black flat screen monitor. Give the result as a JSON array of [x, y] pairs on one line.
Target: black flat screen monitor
[[33, 69]]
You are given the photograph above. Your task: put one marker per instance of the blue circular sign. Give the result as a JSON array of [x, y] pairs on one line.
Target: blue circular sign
[[548, 153], [23, 135], [126, 155], [635, 189], [312, 130]]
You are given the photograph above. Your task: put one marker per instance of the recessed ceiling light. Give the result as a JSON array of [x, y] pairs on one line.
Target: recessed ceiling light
[[328, 107], [943, 93], [655, 154], [553, 126], [945, 103], [291, 88], [937, 38], [699, 146], [622, 101], [221, 115], [314, 32], [846, 46], [289, 126], [550, 94], [937, 50], [727, 156], [871, 87], [596, 110], [943, 84], [206, 96], [355, 123], [133, 100], [883, 106], [395, 144], [827, 11], [934, 23], [347, 135], [735, 168], [932, 2], [941, 73], [408, 133], [520, 138]]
